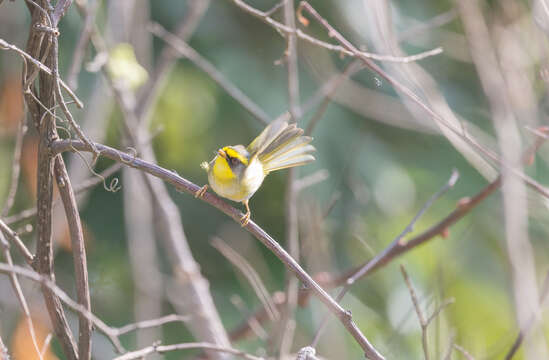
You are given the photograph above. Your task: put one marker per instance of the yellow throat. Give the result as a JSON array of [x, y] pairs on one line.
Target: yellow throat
[[222, 171]]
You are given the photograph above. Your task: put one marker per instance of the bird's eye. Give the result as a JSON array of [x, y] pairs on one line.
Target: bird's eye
[[234, 161]]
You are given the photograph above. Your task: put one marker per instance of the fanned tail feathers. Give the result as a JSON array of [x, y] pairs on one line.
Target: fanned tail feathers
[[282, 146]]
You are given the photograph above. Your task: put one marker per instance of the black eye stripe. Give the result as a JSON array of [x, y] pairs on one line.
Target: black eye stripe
[[234, 161]]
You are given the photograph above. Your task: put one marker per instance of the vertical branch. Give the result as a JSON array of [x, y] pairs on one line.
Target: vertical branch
[[287, 324], [149, 283], [286, 328], [422, 320], [79, 255], [291, 58], [519, 249], [15, 168], [42, 114]]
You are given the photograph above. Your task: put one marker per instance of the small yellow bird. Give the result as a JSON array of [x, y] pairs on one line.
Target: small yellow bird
[[236, 172]]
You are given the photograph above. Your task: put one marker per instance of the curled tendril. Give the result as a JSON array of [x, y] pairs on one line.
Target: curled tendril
[[113, 185], [133, 154]]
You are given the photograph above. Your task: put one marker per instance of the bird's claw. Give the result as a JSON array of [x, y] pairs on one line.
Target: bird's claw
[[201, 191], [245, 219]]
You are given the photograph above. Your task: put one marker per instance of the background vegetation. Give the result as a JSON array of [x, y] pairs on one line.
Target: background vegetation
[[383, 155]]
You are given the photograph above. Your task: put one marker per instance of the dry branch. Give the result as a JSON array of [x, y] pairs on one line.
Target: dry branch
[[184, 185], [162, 349]]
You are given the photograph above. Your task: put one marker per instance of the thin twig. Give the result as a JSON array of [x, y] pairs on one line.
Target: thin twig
[[60, 9], [291, 61], [422, 320], [386, 254], [112, 333], [5, 45], [287, 324], [441, 307], [167, 59], [86, 185], [61, 100], [463, 207], [458, 131], [184, 185], [463, 352], [258, 317], [332, 86], [12, 235], [19, 294], [249, 272], [251, 320], [162, 349], [82, 44], [48, 283], [15, 168], [531, 321], [284, 29], [145, 324], [185, 50]]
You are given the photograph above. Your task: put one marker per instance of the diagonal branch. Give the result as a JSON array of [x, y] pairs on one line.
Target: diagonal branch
[[184, 50], [185, 185]]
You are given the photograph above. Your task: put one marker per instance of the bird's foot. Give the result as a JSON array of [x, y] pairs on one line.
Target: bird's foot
[[245, 219], [201, 191]]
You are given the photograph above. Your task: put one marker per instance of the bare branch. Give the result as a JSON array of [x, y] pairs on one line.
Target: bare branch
[[252, 320], [524, 331], [185, 50], [286, 326], [250, 274], [15, 168], [150, 323], [42, 110], [184, 185], [284, 29], [20, 296], [86, 185], [167, 58], [83, 42], [463, 352], [5, 45], [12, 235], [162, 349], [422, 320], [387, 254], [60, 9], [291, 60], [79, 254], [331, 87]]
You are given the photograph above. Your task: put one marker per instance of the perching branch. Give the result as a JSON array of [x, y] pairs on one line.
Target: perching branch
[[184, 185]]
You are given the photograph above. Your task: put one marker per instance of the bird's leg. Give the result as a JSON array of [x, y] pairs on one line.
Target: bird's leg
[[201, 191], [246, 218]]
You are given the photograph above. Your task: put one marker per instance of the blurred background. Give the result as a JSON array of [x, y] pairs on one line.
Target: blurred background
[[379, 158]]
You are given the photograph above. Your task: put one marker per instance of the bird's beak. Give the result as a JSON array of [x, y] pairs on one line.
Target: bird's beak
[[221, 153]]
